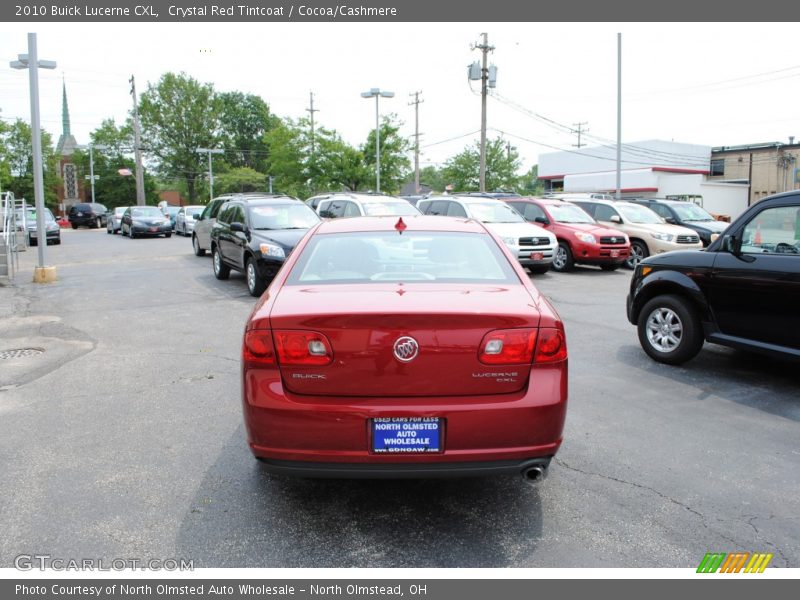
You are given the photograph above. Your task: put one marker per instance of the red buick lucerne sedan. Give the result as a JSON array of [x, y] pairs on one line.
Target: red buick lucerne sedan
[[410, 347]]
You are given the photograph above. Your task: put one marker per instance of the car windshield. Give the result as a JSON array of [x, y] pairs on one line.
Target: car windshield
[[193, 212], [378, 209], [384, 256], [146, 211], [119, 211], [295, 215], [639, 214], [691, 212], [569, 213], [30, 215], [494, 212]]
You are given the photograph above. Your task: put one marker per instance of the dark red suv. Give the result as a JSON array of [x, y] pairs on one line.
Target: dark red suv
[[581, 239]]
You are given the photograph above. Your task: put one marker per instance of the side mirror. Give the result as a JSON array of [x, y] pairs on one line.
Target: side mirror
[[237, 227], [670, 220], [616, 219], [732, 244], [542, 220]]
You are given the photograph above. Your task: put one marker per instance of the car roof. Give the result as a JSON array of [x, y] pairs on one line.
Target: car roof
[[468, 199], [269, 200], [362, 197], [412, 222]]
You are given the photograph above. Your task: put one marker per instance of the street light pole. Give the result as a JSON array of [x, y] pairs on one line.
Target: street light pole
[[91, 176], [210, 151], [31, 62], [377, 93]]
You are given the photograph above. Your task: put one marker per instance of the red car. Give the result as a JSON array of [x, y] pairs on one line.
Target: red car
[[403, 347], [581, 239]]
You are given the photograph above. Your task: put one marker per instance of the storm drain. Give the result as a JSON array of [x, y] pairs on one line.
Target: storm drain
[[20, 353]]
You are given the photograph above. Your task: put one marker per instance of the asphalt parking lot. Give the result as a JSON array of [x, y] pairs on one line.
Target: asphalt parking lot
[[124, 438]]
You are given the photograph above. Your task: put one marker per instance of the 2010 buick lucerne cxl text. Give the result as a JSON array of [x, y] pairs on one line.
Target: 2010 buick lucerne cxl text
[[404, 347]]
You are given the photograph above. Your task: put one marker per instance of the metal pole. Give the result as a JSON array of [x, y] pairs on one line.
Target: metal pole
[[619, 116], [377, 147], [91, 169], [36, 135], [210, 179], [484, 79]]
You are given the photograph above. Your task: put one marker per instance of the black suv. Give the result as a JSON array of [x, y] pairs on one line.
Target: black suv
[[743, 291], [687, 214], [88, 214], [255, 235]]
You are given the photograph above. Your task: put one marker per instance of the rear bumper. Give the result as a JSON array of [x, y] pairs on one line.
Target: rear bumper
[[401, 470], [314, 435]]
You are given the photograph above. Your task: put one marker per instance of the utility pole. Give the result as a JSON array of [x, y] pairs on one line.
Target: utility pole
[[485, 48], [619, 117], [137, 146], [579, 131], [311, 110], [416, 104], [210, 151], [509, 148]]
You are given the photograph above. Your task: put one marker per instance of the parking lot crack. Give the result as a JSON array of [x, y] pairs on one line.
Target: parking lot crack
[[633, 484], [760, 539]]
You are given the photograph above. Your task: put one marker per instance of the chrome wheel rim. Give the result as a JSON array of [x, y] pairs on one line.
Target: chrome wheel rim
[[664, 330], [636, 256], [196, 245], [251, 276], [216, 262], [560, 259]]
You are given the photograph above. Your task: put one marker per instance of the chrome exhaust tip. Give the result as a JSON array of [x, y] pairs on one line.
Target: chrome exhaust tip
[[534, 475]]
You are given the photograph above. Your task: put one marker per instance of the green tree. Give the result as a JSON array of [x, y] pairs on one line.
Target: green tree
[[432, 177], [242, 179], [502, 165], [5, 164], [244, 119], [337, 165], [395, 164], [529, 184], [18, 156], [179, 115], [288, 158]]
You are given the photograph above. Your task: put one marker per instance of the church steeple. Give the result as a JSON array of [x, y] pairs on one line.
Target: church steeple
[[67, 144], [65, 111]]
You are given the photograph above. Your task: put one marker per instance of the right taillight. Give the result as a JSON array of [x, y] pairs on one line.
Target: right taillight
[[551, 346]]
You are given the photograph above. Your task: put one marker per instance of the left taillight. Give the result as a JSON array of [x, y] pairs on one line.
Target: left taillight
[[508, 347], [302, 348], [258, 347]]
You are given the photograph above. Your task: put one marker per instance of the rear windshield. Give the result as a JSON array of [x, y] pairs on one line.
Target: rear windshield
[[412, 257]]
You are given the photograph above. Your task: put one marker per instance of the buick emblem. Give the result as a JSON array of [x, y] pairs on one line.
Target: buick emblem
[[406, 349]]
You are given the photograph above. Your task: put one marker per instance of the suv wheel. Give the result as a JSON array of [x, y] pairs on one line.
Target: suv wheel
[[638, 253], [221, 270], [563, 261], [670, 330], [198, 251], [74, 225], [255, 285]]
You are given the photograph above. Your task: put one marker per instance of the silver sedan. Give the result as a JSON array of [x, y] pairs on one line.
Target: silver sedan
[[184, 221], [114, 221]]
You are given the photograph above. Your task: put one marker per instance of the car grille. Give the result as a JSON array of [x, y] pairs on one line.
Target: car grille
[[688, 239], [617, 239], [534, 241]]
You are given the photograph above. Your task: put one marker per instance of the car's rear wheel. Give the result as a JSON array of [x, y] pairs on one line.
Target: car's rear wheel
[[669, 330], [638, 253], [563, 260], [221, 270], [198, 251], [255, 284], [167, 235], [131, 234]]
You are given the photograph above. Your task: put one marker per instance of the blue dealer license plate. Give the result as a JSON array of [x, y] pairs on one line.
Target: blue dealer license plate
[[406, 435]]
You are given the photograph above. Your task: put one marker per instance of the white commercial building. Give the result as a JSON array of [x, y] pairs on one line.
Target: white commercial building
[[649, 169]]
